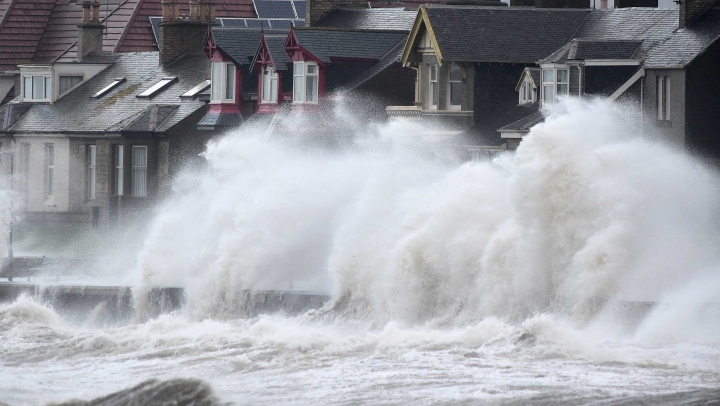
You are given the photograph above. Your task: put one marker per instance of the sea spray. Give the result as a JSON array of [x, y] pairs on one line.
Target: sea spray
[[586, 214]]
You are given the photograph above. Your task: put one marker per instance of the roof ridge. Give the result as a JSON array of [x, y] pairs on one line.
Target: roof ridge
[[128, 24], [310, 29], [4, 19]]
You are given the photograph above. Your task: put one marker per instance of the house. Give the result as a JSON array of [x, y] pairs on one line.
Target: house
[[97, 139], [662, 61], [46, 31]]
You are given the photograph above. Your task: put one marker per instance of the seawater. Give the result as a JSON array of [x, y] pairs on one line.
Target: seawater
[[496, 282]]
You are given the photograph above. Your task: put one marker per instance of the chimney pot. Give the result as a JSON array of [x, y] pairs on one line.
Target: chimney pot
[[86, 12], [194, 12], [166, 11], [211, 13], [175, 11], [96, 12], [203, 11]]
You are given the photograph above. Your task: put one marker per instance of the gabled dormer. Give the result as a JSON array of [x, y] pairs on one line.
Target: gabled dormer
[[225, 79], [308, 72], [271, 64], [528, 86], [47, 83]]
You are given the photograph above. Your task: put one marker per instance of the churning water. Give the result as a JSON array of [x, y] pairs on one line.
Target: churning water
[[511, 281]]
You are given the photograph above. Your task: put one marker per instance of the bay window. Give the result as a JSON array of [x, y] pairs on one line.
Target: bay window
[[139, 171], [222, 82], [555, 82], [455, 87], [305, 82], [37, 88], [269, 85]]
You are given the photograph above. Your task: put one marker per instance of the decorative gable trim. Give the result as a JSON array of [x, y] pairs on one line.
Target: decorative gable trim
[[214, 52], [421, 21], [297, 52], [526, 75]]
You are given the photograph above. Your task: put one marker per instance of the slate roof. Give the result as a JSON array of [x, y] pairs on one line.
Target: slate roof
[[392, 57], [593, 49], [276, 47], [121, 110], [524, 124], [326, 43], [391, 19], [501, 34], [649, 25], [680, 48], [139, 37], [10, 113], [240, 44]]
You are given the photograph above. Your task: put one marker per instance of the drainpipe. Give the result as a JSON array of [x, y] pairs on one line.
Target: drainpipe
[[642, 106]]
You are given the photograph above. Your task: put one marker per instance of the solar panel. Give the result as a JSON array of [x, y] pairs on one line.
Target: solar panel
[[280, 23], [300, 9], [155, 21], [232, 22], [274, 9]]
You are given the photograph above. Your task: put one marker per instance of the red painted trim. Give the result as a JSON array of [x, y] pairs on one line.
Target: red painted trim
[[224, 108], [238, 85], [321, 83], [268, 108]]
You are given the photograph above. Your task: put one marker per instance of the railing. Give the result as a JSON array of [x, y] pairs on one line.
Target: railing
[[403, 111], [459, 120]]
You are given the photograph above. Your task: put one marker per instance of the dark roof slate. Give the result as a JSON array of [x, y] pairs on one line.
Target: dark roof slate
[[524, 124], [241, 44], [392, 19], [327, 44], [386, 62], [685, 44], [121, 110], [10, 113], [501, 34], [276, 47], [594, 49]]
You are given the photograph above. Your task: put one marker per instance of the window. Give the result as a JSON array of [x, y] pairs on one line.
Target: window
[[269, 85], [91, 159], [105, 90], [663, 98], [305, 82], [455, 87], [204, 85], [50, 164], [119, 175], [527, 93], [36, 88], [433, 86], [65, 83], [223, 82], [157, 87], [555, 83], [139, 171]]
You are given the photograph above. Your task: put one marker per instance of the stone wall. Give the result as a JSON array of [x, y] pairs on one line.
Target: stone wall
[[317, 8], [692, 9], [181, 37]]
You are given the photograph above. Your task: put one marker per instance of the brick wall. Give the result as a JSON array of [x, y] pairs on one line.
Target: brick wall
[[692, 9], [178, 38], [317, 8]]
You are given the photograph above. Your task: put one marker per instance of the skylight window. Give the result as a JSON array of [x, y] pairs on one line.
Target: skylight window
[[105, 90], [204, 85], [157, 87]]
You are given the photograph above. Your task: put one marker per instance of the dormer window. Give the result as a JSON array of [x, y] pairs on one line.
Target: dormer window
[[527, 93], [556, 82], [305, 82], [37, 88], [269, 85], [223, 82], [66, 83]]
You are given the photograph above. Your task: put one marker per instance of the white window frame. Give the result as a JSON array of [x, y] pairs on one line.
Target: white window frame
[[451, 106], [300, 79], [47, 88], [60, 77], [137, 169], [91, 171], [269, 85], [119, 170], [526, 95], [220, 86], [50, 170], [662, 96], [430, 82], [554, 83]]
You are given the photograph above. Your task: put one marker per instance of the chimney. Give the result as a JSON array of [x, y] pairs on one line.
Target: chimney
[[180, 36], [315, 9], [90, 31], [691, 10]]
